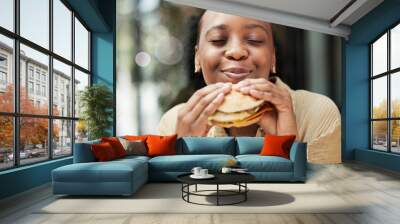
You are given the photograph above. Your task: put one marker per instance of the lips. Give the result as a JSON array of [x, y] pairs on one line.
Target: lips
[[236, 72]]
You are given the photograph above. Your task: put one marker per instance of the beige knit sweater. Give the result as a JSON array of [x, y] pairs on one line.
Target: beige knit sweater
[[317, 118]]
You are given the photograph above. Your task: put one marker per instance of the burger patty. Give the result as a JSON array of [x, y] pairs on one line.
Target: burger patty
[[236, 116]]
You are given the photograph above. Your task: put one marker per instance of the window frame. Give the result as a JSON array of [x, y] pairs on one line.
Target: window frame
[[16, 114], [388, 74]]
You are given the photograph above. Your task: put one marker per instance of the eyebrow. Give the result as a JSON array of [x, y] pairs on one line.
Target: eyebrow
[[218, 27], [249, 26], [253, 26]]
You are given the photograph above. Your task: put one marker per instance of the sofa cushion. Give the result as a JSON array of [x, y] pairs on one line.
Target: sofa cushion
[[83, 152], [206, 145], [103, 152], [185, 163], [275, 145], [116, 145], [257, 163], [249, 145], [159, 145], [111, 171], [134, 147], [131, 158]]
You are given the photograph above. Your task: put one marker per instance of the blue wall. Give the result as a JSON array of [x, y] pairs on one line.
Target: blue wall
[[99, 15], [24, 178], [104, 51], [356, 83]]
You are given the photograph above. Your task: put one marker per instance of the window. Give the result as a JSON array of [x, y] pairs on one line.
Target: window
[[81, 81], [62, 74], [37, 89], [30, 87], [37, 74], [62, 137], [30, 72], [62, 31], [6, 142], [3, 78], [7, 14], [44, 91], [40, 82], [7, 89], [3, 61], [385, 91], [3, 72], [35, 22], [81, 45]]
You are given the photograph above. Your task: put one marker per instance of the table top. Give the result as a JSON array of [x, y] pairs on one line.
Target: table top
[[220, 178]]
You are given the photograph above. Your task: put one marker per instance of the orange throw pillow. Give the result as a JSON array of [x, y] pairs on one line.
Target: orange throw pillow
[[103, 151], [161, 145], [135, 137], [277, 145], [116, 145]]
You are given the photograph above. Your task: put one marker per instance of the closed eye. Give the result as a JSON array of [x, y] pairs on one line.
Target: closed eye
[[255, 41], [218, 41]]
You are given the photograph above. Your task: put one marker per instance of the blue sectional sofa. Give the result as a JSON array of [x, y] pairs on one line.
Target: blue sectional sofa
[[125, 176]]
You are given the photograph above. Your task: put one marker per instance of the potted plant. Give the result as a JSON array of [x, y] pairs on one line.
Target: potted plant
[[96, 103]]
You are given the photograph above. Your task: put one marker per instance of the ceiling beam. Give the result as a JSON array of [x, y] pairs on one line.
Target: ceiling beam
[[270, 15], [346, 12]]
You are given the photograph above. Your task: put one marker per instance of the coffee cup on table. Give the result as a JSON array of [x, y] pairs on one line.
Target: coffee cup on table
[[226, 170], [203, 172], [196, 171]]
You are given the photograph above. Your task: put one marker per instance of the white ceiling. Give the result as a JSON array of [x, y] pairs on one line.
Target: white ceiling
[[325, 16], [320, 9]]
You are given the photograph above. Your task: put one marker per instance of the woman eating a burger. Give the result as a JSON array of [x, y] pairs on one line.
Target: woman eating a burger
[[237, 54]]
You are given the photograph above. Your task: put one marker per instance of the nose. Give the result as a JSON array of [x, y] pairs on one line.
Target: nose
[[236, 50]]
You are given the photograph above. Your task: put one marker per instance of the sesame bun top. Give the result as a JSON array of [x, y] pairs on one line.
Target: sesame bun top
[[236, 101]]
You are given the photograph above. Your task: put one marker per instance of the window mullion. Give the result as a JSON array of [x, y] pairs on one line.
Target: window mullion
[[50, 81], [16, 84], [371, 89], [73, 82], [389, 106]]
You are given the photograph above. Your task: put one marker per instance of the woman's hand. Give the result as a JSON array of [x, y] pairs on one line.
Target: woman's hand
[[282, 120], [193, 117]]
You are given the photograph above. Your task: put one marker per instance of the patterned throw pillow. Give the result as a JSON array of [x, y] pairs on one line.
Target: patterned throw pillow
[[134, 147]]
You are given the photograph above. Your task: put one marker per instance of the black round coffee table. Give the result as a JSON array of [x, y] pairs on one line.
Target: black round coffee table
[[238, 179]]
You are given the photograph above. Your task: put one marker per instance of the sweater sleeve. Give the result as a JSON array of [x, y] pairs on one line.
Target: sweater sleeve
[[319, 124], [167, 124]]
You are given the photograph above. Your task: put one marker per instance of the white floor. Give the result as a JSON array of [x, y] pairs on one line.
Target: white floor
[[378, 189]]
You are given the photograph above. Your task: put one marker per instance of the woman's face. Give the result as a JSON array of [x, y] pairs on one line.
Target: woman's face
[[232, 48]]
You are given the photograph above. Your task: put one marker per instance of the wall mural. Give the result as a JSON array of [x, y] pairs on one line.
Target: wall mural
[[198, 72]]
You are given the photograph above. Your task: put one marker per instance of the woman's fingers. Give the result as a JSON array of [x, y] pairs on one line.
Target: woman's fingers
[[191, 113], [204, 102], [281, 101], [199, 94], [210, 109], [248, 82]]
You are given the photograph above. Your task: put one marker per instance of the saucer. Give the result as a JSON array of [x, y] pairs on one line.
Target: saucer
[[208, 176]]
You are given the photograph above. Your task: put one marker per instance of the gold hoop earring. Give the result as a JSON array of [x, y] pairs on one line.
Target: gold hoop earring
[[273, 69], [197, 69]]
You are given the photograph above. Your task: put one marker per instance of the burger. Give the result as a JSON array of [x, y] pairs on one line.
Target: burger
[[239, 110]]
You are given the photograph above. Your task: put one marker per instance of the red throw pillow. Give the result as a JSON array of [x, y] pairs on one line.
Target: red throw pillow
[[161, 145], [135, 137], [277, 145], [103, 151], [116, 145]]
